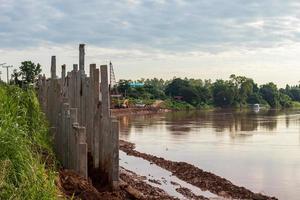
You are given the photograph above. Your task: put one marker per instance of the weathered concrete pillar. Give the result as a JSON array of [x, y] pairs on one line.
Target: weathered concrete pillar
[[53, 67], [73, 114], [75, 67], [76, 150], [104, 91], [96, 118], [67, 138], [82, 152], [81, 57], [105, 121], [63, 80], [83, 160], [114, 170], [66, 110], [63, 72], [84, 98], [91, 110]]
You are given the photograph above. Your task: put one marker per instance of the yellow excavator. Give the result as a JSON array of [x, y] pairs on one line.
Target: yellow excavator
[[125, 103]]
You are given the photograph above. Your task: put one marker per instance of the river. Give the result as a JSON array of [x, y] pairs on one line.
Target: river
[[257, 150]]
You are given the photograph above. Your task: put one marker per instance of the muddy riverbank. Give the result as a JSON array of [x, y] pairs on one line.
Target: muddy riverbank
[[132, 186], [137, 111], [195, 176]]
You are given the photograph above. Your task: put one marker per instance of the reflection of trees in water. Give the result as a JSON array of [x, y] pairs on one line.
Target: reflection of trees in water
[[180, 123], [138, 122], [234, 121], [287, 121], [268, 119]]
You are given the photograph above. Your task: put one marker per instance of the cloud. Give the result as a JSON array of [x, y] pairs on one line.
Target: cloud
[[170, 26], [163, 38]]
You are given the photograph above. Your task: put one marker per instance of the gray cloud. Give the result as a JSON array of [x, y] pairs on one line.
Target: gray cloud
[[170, 25]]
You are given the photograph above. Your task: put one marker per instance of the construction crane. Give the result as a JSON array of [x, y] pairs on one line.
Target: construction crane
[[112, 79], [113, 86], [7, 70]]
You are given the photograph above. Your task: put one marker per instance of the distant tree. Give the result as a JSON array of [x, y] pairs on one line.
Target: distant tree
[[27, 74], [189, 94], [244, 88], [284, 100], [269, 92], [292, 91], [174, 88], [223, 93], [123, 86]]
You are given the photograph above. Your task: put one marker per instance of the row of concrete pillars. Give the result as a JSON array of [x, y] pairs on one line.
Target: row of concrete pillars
[[77, 107]]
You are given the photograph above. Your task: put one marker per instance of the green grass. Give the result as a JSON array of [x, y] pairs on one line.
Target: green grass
[[177, 105], [24, 147], [295, 104]]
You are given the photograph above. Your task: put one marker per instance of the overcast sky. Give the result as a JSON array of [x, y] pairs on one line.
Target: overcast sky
[[158, 38]]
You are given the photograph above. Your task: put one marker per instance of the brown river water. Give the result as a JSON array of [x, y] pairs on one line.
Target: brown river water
[[257, 150]]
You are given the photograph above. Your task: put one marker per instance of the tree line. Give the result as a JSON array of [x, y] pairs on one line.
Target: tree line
[[237, 91]]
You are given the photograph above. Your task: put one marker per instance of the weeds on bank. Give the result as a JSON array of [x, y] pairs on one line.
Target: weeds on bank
[[23, 145]]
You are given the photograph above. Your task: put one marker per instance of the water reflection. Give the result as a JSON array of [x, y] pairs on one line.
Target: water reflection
[[233, 121], [256, 150]]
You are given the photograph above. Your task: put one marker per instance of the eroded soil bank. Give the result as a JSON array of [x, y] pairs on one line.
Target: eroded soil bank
[[195, 176], [132, 186]]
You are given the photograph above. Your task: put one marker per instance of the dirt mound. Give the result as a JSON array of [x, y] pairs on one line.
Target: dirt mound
[[139, 189], [73, 185]]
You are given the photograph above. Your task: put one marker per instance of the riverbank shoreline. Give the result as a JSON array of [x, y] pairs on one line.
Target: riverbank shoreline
[[131, 186], [195, 176], [137, 111]]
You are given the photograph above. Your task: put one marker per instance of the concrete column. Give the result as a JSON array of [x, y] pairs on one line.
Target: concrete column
[[97, 119], [75, 67], [82, 152], [76, 149], [67, 138], [104, 91], [114, 170], [85, 86], [73, 115], [65, 126], [63, 73], [90, 110], [81, 58], [83, 160], [53, 67], [105, 121]]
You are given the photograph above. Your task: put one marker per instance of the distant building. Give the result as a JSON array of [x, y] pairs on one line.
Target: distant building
[[136, 84]]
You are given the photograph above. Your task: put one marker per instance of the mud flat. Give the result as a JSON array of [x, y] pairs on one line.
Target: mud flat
[[162, 178], [197, 177]]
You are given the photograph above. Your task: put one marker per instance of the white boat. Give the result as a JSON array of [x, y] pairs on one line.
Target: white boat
[[256, 107]]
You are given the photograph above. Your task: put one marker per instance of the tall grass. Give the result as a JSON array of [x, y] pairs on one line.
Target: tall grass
[[24, 147]]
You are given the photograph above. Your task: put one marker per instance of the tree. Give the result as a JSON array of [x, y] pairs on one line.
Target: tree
[[244, 88], [189, 94], [223, 93], [269, 92], [173, 89], [123, 86], [27, 74]]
